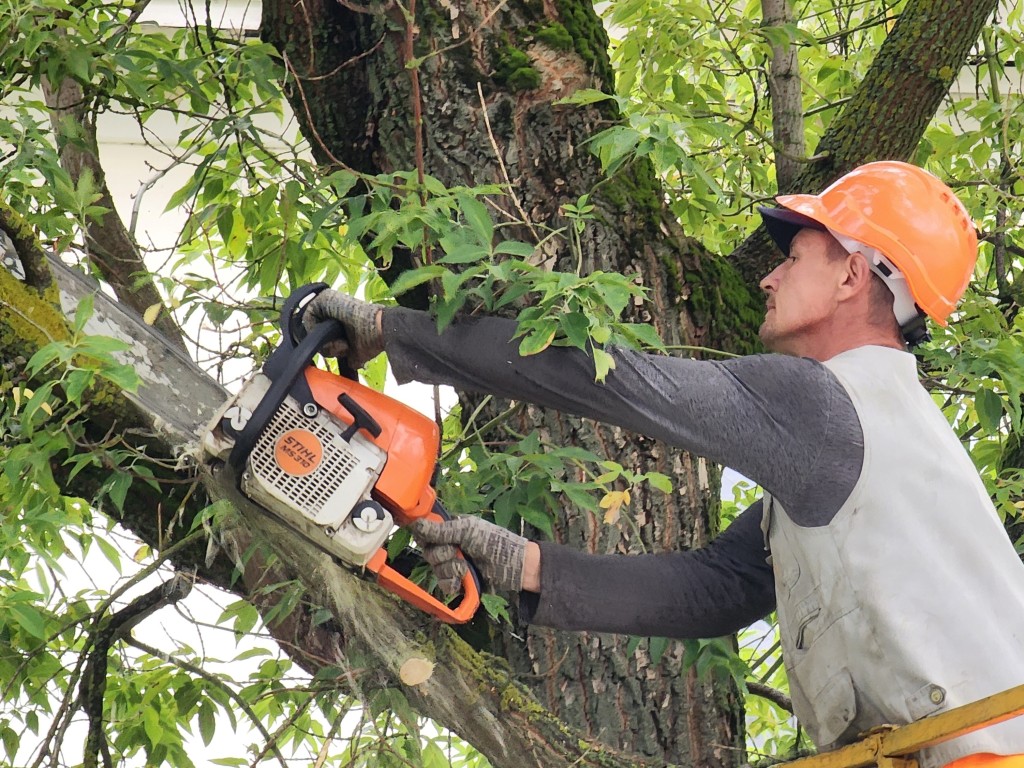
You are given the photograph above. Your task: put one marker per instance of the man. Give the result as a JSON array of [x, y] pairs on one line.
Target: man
[[898, 592]]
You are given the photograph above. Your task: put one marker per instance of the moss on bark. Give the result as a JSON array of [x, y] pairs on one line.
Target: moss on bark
[[589, 38]]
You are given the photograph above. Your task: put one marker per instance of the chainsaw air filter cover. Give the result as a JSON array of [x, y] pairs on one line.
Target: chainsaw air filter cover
[[303, 470]]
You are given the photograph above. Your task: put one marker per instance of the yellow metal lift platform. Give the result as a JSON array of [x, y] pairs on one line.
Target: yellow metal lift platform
[[892, 746]]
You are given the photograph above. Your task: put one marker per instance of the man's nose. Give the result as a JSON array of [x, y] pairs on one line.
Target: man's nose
[[770, 282]]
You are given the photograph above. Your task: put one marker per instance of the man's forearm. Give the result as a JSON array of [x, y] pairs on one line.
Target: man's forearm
[[765, 416], [700, 593]]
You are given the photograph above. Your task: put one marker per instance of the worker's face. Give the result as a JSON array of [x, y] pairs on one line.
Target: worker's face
[[801, 294]]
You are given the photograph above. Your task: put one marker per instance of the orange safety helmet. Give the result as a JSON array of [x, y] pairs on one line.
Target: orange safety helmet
[[903, 212]]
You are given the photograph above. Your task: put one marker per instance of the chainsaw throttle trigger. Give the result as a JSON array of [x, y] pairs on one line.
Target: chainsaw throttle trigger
[[361, 419]]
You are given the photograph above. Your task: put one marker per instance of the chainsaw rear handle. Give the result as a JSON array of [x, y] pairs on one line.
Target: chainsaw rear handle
[[393, 581]]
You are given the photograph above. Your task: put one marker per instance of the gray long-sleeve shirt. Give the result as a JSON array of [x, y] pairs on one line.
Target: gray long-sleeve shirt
[[784, 422]]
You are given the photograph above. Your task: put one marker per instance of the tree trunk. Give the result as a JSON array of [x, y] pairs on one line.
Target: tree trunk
[[486, 123]]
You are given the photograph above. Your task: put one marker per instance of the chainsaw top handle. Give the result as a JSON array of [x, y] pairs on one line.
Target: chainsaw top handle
[[293, 330], [285, 367]]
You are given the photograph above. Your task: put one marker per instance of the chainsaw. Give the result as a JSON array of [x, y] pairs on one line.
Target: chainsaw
[[337, 462]]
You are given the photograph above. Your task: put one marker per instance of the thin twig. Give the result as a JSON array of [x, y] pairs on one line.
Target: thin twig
[[774, 695], [501, 164]]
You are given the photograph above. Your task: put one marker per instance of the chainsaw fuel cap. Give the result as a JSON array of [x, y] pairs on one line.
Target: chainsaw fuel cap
[[368, 516]]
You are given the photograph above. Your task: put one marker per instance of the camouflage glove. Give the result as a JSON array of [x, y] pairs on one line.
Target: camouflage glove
[[365, 340], [497, 553]]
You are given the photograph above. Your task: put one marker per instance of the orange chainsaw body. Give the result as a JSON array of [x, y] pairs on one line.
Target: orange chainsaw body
[[336, 461], [409, 438], [411, 442]]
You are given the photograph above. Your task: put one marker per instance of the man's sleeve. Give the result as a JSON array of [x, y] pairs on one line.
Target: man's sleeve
[[784, 422], [706, 592]]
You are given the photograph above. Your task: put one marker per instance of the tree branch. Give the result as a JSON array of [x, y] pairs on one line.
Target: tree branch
[[785, 90], [111, 629], [887, 115], [32, 256], [109, 246], [773, 695]]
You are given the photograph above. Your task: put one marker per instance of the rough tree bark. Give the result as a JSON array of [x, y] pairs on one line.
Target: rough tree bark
[[485, 123]]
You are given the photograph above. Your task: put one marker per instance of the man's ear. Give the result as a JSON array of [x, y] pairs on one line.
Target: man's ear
[[857, 276]]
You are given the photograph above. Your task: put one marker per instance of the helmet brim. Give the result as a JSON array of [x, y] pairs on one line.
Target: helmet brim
[[783, 224]]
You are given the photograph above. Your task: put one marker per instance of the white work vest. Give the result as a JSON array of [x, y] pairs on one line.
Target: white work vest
[[911, 600]]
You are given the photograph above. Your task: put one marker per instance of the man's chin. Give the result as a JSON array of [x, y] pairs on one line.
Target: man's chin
[[771, 340]]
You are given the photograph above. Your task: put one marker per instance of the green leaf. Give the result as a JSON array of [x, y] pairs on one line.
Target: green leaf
[[585, 96], [29, 619], [603, 364], [46, 355], [539, 338], [504, 509], [11, 742], [515, 248], [246, 619], [102, 346], [496, 607], [579, 496], [117, 490], [990, 409], [657, 646], [77, 382], [601, 334], [124, 376], [415, 277], [659, 481], [537, 518], [478, 218], [645, 335], [434, 757], [207, 723], [109, 550], [464, 253], [83, 312], [576, 327], [151, 724]]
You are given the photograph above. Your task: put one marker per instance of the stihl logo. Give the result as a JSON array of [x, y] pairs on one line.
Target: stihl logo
[[298, 452]]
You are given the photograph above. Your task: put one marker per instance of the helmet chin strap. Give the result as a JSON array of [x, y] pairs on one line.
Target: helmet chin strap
[[908, 314]]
